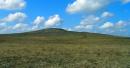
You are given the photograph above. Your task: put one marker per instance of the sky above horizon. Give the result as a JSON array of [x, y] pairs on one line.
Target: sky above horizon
[[98, 16]]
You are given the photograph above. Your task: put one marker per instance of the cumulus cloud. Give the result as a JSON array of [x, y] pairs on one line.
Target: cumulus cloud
[[14, 17], [114, 28], [107, 14], [107, 25], [92, 22], [14, 21], [12, 4], [2, 26], [125, 1], [52, 21], [86, 5], [19, 26], [17, 21], [96, 23], [39, 20], [88, 23], [15, 28], [118, 25], [82, 27]]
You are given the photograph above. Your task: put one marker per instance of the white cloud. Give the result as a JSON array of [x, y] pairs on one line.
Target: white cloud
[[107, 25], [86, 5], [106, 14], [20, 26], [39, 20], [16, 28], [99, 23], [15, 17], [120, 24], [114, 28], [17, 21], [82, 27], [88, 22], [2, 26], [125, 1], [14, 21], [35, 27], [92, 23], [12, 4], [52, 21]]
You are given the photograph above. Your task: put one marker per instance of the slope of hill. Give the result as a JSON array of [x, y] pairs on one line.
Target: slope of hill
[[55, 35], [58, 48]]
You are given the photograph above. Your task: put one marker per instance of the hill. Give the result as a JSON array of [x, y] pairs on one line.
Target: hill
[[59, 48], [55, 35]]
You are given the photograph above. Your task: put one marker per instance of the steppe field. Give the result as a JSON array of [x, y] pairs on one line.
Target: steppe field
[[58, 48]]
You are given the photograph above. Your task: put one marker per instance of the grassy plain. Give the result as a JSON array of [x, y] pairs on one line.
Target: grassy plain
[[57, 48]]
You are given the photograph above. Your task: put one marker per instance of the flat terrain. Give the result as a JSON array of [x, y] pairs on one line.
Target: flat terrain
[[57, 48]]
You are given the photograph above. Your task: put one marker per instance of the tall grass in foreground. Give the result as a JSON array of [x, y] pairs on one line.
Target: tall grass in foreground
[[65, 56]]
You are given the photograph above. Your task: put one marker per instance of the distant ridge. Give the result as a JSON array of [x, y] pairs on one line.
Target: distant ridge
[[60, 32], [63, 32], [61, 36], [50, 30]]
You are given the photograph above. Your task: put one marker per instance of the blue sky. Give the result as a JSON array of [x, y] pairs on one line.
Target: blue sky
[[100, 16]]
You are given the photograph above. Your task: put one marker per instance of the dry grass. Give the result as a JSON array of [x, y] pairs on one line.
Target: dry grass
[[73, 50]]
